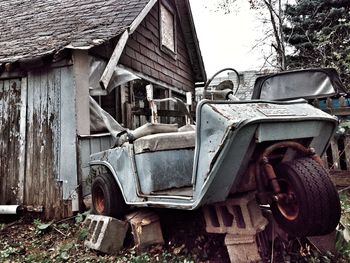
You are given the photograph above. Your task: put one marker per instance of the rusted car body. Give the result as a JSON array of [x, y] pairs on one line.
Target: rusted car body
[[236, 147]]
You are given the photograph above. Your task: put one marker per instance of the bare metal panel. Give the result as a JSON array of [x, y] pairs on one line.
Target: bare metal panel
[[164, 169]]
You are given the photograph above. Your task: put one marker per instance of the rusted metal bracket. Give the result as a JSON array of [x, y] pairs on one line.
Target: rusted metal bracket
[[267, 168]]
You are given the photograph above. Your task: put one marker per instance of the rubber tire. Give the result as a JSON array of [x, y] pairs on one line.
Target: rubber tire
[[114, 204], [318, 200]]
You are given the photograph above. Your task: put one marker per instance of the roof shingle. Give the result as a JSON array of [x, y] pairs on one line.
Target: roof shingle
[[30, 29]]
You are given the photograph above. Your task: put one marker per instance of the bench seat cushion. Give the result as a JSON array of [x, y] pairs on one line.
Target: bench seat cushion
[[165, 141]]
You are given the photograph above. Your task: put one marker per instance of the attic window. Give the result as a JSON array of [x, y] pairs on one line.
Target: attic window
[[167, 28]]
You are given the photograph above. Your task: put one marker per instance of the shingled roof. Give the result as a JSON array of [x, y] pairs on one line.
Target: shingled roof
[[30, 29]]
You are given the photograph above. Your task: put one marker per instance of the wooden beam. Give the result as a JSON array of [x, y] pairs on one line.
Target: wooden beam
[[113, 61], [81, 68], [141, 16]]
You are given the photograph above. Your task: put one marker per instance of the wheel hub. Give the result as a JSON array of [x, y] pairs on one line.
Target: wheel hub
[[99, 200], [287, 202]]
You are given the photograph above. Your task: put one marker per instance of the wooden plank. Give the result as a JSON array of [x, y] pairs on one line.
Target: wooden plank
[[123, 100], [14, 143], [113, 61], [35, 187], [10, 145], [347, 152], [141, 16], [12, 75], [325, 160], [335, 155], [51, 137], [2, 146], [44, 149], [6, 136], [129, 115], [29, 140], [22, 139], [81, 78]]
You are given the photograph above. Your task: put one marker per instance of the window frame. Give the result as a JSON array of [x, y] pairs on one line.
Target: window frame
[[164, 48]]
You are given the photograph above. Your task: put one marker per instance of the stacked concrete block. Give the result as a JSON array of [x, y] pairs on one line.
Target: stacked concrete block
[[145, 228], [106, 234], [240, 219]]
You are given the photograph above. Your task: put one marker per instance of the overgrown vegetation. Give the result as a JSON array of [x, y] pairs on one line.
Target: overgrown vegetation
[[63, 241]]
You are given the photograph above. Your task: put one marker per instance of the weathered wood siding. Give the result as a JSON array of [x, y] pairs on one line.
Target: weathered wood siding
[[143, 54], [10, 143], [50, 174]]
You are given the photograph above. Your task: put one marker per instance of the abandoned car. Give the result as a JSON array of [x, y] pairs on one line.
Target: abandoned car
[[268, 147]]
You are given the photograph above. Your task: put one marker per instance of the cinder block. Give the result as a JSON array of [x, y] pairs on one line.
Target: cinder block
[[145, 228], [106, 234], [242, 249], [324, 243], [237, 216]]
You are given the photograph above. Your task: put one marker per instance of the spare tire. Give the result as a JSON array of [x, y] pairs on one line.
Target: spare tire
[[107, 198], [312, 206]]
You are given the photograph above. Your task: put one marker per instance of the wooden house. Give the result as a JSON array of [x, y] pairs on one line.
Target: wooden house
[[53, 56]]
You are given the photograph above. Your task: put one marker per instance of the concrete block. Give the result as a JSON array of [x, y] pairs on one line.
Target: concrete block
[[324, 243], [235, 216], [106, 234], [145, 228], [242, 249]]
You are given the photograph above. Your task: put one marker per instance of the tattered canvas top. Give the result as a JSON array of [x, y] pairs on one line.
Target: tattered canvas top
[[306, 83], [31, 29]]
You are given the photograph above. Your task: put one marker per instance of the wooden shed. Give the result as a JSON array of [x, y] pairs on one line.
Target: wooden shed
[[53, 56]]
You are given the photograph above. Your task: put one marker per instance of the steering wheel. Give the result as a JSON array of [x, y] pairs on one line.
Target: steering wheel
[[217, 73]]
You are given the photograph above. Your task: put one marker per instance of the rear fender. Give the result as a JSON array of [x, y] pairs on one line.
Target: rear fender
[[228, 132]]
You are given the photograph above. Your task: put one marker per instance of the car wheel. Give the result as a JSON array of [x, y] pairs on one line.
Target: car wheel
[[107, 198], [311, 205]]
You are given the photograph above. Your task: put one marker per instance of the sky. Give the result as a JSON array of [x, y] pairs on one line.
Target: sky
[[226, 40]]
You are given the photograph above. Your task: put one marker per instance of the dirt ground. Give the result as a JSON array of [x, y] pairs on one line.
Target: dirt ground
[[30, 240]]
